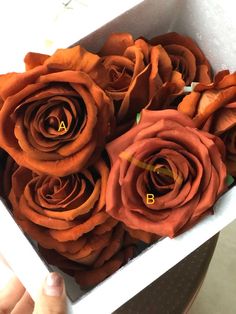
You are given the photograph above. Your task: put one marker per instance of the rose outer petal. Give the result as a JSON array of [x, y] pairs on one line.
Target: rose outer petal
[[92, 277], [76, 232], [225, 119], [42, 236], [34, 59], [116, 44], [43, 220]]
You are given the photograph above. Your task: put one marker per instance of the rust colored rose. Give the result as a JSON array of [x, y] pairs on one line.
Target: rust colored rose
[[213, 108], [137, 72], [189, 64], [186, 57], [165, 174], [67, 214], [119, 251], [54, 117]]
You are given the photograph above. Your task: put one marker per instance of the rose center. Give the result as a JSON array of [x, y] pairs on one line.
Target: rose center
[[164, 176], [159, 176], [120, 78], [51, 122]]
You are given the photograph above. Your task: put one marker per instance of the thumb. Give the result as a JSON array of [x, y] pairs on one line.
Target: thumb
[[52, 297]]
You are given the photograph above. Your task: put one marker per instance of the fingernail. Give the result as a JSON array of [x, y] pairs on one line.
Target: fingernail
[[53, 285]]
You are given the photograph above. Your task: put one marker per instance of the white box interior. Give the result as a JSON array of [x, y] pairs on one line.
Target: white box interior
[[211, 24]]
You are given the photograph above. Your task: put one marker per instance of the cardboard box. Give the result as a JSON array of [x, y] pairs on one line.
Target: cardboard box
[[212, 25]]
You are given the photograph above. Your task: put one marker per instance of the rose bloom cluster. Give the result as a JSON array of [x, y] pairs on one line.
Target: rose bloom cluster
[[102, 151]]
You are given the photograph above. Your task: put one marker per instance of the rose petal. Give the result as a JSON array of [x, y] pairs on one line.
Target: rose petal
[[116, 44], [92, 277], [225, 118], [76, 232], [42, 220], [211, 106], [34, 59], [78, 59]]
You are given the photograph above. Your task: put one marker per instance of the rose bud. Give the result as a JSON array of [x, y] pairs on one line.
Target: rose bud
[[213, 108], [165, 174], [54, 118]]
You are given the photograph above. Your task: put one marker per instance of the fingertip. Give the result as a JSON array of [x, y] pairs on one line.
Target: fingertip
[[53, 285], [52, 297]]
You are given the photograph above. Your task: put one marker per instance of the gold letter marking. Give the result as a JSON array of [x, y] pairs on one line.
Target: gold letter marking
[[150, 199], [62, 126]]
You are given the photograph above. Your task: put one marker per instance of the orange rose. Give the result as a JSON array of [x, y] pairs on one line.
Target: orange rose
[[189, 64], [58, 211], [120, 250], [67, 214], [165, 174], [54, 118], [213, 108], [137, 73]]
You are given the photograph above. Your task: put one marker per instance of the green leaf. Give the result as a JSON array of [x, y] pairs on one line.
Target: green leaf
[[138, 117], [229, 180]]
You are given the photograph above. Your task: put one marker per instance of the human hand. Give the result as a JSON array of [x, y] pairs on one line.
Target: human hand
[[15, 299]]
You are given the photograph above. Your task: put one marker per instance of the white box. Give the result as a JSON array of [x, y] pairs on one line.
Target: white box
[[211, 23]]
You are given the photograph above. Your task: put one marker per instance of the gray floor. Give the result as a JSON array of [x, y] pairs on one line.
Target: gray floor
[[218, 292]]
